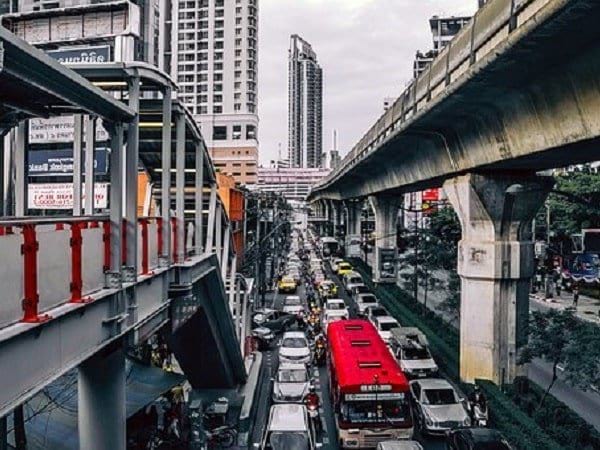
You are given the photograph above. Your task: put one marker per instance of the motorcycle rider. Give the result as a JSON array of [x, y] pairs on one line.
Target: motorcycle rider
[[312, 404], [478, 400]]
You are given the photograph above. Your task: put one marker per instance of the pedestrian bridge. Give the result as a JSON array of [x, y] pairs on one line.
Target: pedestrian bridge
[[78, 289]]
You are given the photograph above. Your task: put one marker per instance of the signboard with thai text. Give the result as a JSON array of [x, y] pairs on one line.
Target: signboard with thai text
[[60, 195]]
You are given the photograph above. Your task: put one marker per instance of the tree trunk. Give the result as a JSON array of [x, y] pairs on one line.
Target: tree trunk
[[554, 378]]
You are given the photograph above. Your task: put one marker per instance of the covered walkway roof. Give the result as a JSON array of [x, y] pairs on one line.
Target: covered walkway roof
[[34, 85]]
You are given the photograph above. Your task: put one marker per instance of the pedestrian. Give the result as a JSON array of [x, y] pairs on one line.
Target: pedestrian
[[575, 295]]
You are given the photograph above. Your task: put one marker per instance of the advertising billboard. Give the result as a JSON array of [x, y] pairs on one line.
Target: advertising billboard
[[59, 129], [47, 163], [60, 196], [89, 54]]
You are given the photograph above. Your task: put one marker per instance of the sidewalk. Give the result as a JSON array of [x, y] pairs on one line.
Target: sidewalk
[[587, 308]]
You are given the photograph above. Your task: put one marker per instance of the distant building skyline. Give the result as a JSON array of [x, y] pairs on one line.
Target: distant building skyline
[[305, 105]]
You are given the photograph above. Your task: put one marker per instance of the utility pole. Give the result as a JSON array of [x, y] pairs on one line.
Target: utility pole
[[257, 248]]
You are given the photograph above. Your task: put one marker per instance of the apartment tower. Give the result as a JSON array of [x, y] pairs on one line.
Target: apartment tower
[[305, 105], [214, 61]]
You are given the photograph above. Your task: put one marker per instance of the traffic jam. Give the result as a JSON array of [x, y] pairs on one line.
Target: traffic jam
[[342, 372]]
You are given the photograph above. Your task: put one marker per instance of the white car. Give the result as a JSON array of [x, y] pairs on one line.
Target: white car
[[363, 301], [336, 304], [289, 427], [384, 325], [291, 383], [334, 263], [352, 279], [358, 289], [333, 316], [292, 304], [437, 405], [294, 348]]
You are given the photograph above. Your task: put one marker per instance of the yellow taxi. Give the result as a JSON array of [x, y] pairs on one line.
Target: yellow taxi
[[287, 285], [343, 268], [328, 289]]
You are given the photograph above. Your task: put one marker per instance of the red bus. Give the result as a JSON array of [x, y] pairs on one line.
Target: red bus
[[370, 394]]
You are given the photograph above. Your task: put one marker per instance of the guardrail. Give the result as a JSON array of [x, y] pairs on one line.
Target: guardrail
[[489, 27], [53, 261]]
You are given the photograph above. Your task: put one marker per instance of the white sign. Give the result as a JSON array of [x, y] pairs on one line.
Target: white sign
[[376, 388], [59, 129], [60, 196], [371, 397]]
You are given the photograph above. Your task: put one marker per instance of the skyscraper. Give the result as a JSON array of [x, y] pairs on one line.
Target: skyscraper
[[305, 109], [214, 60]]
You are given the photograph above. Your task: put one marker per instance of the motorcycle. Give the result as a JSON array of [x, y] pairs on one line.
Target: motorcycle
[[319, 357], [313, 410], [479, 414], [264, 337], [223, 436]]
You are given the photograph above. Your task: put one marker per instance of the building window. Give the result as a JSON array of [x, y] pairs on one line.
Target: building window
[[218, 98], [250, 132], [219, 133], [218, 88], [218, 66], [237, 132], [217, 109]]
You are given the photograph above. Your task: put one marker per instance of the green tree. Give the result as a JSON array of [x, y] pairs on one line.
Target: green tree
[[583, 357], [552, 337], [569, 214]]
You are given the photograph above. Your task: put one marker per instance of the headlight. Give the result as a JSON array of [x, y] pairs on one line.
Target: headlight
[[467, 422]]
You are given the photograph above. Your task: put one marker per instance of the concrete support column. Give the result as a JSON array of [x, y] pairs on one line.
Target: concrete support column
[[90, 144], [219, 231], [116, 199], [101, 399], [199, 199], [353, 227], [77, 163], [336, 217], [212, 210], [495, 263], [386, 208], [180, 185], [21, 168]]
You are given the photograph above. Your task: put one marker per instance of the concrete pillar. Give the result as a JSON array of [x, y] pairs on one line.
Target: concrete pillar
[[77, 163], [180, 185], [386, 208], [90, 143], [199, 198], [116, 198], [336, 217], [165, 196], [131, 183], [353, 227], [101, 399], [495, 263], [21, 168]]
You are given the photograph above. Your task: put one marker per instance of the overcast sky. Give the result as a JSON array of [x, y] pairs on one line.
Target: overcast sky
[[365, 47]]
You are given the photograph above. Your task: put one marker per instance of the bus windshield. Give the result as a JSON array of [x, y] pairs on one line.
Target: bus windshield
[[388, 411]]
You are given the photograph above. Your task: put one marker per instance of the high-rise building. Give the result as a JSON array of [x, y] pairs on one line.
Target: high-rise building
[[214, 60], [305, 105], [444, 29]]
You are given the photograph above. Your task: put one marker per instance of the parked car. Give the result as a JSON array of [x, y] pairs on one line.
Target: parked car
[[291, 383], [294, 348], [289, 427], [384, 325], [276, 321], [399, 445], [287, 284], [476, 439], [363, 301], [437, 406]]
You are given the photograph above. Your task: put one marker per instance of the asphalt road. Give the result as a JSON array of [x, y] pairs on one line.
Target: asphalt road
[[328, 436]]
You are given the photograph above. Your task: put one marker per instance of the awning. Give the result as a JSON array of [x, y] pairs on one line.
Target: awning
[[51, 416]]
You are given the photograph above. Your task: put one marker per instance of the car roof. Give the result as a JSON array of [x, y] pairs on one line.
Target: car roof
[[292, 296], [483, 434], [291, 366], [335, 300], [433, 383], [294, 334], [288, 417], [388, 319], [399, 445]]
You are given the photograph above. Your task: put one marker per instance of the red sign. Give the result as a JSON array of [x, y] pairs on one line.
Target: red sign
[[431, 195]]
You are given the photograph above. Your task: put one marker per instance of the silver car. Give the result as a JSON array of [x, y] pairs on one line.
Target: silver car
[[438, 407], [289, 427], [399, 445], [291, 383]]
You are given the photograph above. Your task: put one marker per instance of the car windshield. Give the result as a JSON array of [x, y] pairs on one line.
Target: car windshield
[[288, 441], [377, 312], [292, 301], [390, 411], [387, 326], [294, 342], [336, 306], [362, 289], [368, 299], [440, 397], [355, 280], [334, 318], [287, 280], [292, 376], [415, 353], [344, 266]]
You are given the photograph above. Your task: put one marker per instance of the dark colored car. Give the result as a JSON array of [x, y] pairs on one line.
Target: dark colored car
[[277, 321], [476, 439]]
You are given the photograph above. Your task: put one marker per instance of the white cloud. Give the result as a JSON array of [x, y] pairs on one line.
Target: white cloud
[[366, 49]]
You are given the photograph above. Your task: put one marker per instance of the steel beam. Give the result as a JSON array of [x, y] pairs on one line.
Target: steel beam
[[165, 196], [210, 228], [116, 195], [199, 198], [90, 143], [131, 174], [21, 171], [225, 252], [77, 163], [180, 185], [219, 231]]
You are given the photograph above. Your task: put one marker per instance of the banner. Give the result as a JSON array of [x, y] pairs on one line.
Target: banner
[[59, 129], [44, 163], [60, 196], [96, 54]]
